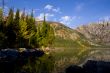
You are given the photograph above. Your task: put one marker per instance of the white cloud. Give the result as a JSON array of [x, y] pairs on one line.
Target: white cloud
[[68, 20], [56, 10], [49, 7], [52, 8], [79, 7], [48, 16]]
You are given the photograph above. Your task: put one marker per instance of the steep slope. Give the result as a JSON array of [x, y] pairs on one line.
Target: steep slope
[[67, 37], [98, 33]]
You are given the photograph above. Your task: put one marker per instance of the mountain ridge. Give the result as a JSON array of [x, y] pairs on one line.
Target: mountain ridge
[[98, 33], [93, 34]]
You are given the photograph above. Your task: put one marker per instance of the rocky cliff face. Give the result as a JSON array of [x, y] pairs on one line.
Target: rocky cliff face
[[96, 32], [64, 32]]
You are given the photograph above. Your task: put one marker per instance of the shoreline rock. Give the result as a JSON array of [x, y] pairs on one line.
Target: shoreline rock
[[90, 66]]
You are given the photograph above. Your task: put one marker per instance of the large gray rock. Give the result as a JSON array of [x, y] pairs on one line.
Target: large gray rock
[[90, 66]]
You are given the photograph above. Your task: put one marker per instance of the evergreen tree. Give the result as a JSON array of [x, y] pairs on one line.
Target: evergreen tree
[[23, 15], [16, 21], [1, 19], [2, 35], [11, 35], [23, 33], [27, 31], [10, 19], [31, 23], [50, 35], [16, 25], [1, 16], [45, 34], [31, 27]]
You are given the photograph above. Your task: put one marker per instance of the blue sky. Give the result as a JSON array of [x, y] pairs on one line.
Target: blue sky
[[72, 13]]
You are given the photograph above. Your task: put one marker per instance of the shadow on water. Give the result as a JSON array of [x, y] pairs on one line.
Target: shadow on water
[[12, 61]]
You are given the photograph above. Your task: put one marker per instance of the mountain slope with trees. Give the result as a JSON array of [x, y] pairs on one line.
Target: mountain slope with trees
[[69, 37]]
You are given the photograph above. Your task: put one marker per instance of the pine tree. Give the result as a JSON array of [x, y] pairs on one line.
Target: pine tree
[[44, 28], [1, 19], [16, 25], [45, 34], [23, 33], [2, 35], [11, 35], [31, 28], [23, 15], [16, 21], [10, 19], [1, 15], [31, 23], [50, 35]]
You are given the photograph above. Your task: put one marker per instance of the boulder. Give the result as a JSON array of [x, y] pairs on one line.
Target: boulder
[[74, 69], [91, 66]]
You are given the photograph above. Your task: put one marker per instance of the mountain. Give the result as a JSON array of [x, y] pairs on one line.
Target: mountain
[[68, 37], [93, 34], [98, 33], [75, 46]]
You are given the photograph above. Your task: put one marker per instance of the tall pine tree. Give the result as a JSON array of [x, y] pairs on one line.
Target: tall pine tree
[[11, 35], [1, 19], [45, 34], [16, 21], [2, 34], [16, 24], [23, 16], [31, 27], [23, 34], [10, 19]]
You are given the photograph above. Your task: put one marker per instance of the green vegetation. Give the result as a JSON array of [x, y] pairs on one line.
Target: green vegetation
[[43, 64], [45, 34], [20, 31]]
